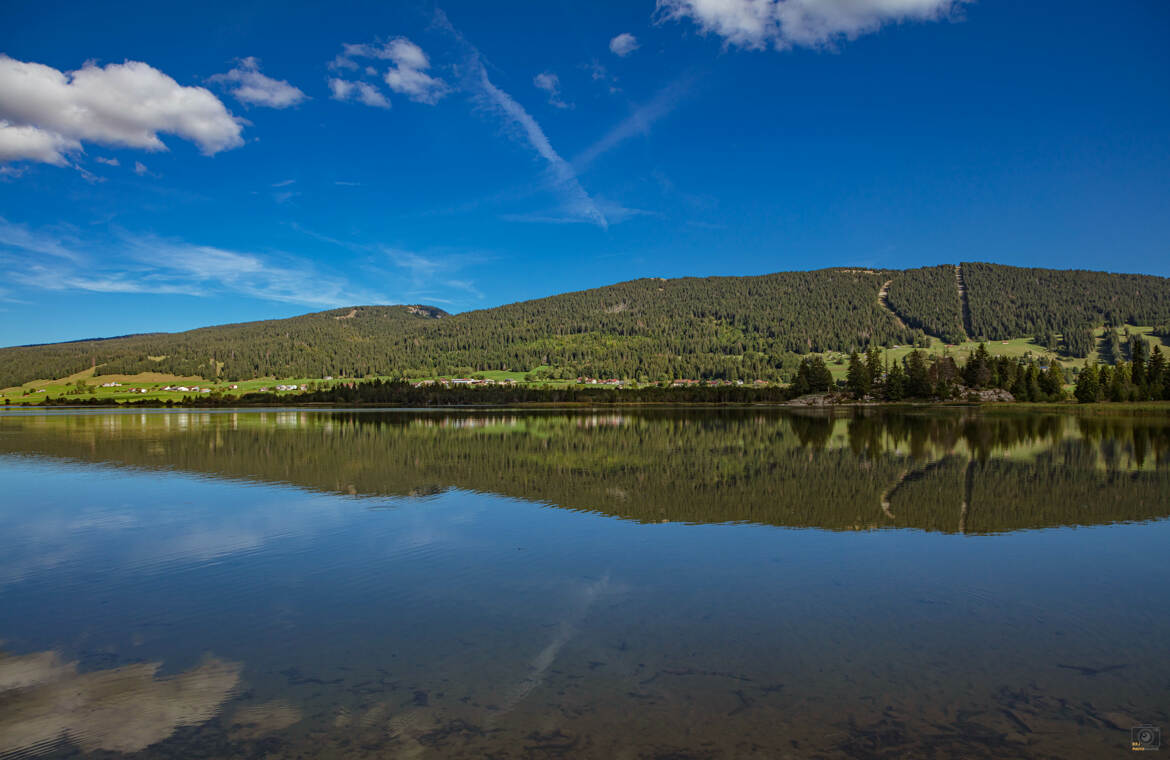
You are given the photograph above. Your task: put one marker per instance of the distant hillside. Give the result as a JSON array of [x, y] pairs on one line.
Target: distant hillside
[[711, 327], [333, 342]]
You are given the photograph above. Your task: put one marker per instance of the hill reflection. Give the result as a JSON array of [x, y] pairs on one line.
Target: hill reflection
[[949, 471]]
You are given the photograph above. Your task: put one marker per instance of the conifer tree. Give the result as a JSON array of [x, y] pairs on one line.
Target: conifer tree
[[819, 377], [1087, 388], [858, 378], [1138, 350], [812, 376], [1119, 384], [1155, 372], [1052, 381], [1033, 381], [917, 377], [895, 386], [1019, 386], [977, 372], [1104, 380], [873, 363]]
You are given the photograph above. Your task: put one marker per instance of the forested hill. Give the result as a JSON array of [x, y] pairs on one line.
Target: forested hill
[[650, 329]]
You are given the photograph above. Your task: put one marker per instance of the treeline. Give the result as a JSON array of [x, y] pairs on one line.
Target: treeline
[[650, 330], [1145, 377], [1010, 302], [921, 377]]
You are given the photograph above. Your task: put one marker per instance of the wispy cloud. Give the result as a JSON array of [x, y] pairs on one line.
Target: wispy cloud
[[147, 264], [407, 74], [598, 73], [429, 274], [421, 276], [361, 92], [250, 87], [18, 237], [465, 285], [550, 83], [563, 178], [638, 122], [419, 265], [615, 213]]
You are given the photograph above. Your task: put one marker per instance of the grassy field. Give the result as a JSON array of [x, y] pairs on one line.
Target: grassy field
[[153, 382], [1017, 347], [90, 385]]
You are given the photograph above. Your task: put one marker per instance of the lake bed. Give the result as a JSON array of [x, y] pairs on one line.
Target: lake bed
[[618, 584]]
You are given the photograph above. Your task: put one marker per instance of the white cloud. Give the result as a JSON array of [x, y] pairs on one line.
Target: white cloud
[[782, 24], [623, 44], [359, 91], [576, 201], [107, 161], [551, 84], [26, 143], [46, 114], [406, 75], [249, 86], [140, 168]]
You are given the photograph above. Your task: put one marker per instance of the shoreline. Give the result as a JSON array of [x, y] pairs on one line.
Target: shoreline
[[1126, 407]]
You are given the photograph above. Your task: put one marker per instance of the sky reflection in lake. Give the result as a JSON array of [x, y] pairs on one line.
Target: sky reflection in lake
[[708, 584]]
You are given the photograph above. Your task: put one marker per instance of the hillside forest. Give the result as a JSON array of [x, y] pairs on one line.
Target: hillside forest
[[649, 330]]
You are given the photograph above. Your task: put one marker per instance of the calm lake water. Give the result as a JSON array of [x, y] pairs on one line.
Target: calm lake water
[[685, 584]]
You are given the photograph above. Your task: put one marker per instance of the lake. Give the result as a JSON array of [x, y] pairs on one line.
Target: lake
[[594, 584]]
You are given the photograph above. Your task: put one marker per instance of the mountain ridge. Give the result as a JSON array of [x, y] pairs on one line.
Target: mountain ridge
[[705, 327]]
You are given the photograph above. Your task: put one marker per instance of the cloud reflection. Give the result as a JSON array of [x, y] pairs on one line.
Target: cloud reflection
[[44, 700]]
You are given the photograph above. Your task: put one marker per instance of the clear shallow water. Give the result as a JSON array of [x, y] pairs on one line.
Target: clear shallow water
[[516, 585]]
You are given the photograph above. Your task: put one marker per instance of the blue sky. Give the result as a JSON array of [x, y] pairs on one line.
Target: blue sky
[[162, 169]]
